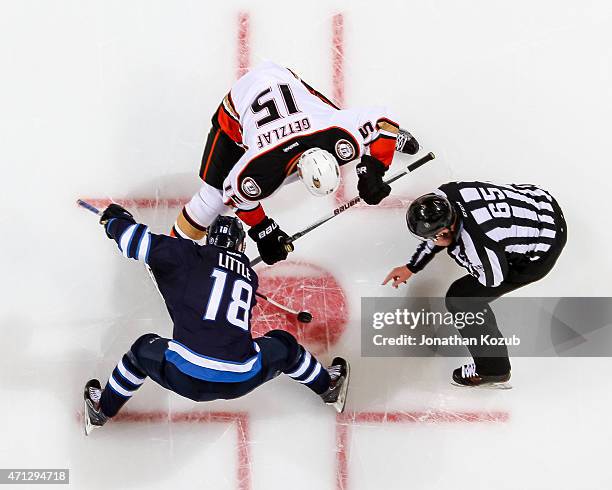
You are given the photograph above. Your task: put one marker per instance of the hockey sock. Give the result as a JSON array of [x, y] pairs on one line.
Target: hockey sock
[[125, 379], [307, 370]]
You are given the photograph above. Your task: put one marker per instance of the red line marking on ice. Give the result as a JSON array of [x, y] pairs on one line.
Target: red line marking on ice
[[346, 420], [338, 59], [244, 49], [338, 96], [421, 417], [243, 55], [391, 202], [342, 440], [139, 202], [240, 419]]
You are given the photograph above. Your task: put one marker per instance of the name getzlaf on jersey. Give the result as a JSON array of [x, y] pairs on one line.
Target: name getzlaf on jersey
[[276, 116]]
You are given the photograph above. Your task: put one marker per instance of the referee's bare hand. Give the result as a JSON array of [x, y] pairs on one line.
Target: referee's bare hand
[[399, 275]]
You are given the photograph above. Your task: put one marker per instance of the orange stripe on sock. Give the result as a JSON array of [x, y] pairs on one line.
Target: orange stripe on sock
[[210, 154]]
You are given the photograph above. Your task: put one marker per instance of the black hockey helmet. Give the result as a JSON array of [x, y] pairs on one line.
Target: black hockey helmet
[[226, 232], [429, 214]]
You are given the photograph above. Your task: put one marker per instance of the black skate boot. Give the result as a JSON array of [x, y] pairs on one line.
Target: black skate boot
[[340, 373], [466, 375], [93, 416]]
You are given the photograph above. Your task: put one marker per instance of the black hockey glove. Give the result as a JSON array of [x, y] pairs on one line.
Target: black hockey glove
[[115, 211], [406, 143], [271, 241], [371, 187]]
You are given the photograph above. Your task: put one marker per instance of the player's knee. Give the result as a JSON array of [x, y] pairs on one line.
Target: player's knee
[[289, 341], [456, 299], [455, 303], [452, 303], [134, 352], [283, 336]]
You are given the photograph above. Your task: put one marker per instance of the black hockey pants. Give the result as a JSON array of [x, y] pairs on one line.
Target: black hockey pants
[[468, 295]]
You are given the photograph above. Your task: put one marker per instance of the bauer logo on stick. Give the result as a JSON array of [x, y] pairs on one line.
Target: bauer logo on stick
[[250, 187]]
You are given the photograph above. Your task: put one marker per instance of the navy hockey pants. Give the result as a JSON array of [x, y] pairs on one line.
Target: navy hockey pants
[[280, 353]]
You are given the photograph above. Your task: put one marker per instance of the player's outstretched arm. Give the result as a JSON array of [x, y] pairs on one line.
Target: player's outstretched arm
[[119, 217], [399, 275], [370, 171], [272, 242], [425, 252], [386, 138], [135, 241]]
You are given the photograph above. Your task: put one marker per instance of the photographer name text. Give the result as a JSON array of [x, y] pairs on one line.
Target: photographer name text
[[453, 340]]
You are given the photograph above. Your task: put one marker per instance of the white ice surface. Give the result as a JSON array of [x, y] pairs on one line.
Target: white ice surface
[[113, 99]]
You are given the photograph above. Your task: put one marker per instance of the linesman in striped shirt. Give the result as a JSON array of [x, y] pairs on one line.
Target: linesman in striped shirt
[[506, 236]]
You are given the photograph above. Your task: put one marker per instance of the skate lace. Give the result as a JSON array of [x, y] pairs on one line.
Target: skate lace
[[402, 138], [95, 394], [400, 141], [334, 372], [468, 370]]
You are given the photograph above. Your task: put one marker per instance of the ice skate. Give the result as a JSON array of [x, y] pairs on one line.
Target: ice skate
[[339, 372], [93, 416], [466, 375]]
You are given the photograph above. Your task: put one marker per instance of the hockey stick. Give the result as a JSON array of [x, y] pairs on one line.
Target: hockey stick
[[302, 316], [93, 209], [349, 204]]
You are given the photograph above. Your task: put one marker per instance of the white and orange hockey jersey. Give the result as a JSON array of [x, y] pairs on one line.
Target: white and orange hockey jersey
[[276, 116]]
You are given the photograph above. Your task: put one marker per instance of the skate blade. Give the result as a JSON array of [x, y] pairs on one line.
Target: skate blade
[[87, 425], [341, 401], [487, 386]]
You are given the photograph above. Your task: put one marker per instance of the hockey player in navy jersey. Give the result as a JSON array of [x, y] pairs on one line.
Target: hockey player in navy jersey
[[210, 293]]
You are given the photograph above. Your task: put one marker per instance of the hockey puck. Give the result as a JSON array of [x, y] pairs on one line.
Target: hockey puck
[[304, 317]]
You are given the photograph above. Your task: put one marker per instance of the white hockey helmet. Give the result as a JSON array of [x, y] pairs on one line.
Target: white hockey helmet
[[319, 171]]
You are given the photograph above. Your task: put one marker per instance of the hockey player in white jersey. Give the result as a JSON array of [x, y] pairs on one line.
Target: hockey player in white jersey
[[273, 128]]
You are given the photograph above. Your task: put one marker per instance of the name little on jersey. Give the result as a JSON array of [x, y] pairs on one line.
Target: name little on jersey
[[275, 135], [232, 264]]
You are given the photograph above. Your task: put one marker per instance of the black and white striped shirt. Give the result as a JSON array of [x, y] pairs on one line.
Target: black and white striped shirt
[[499, 224]]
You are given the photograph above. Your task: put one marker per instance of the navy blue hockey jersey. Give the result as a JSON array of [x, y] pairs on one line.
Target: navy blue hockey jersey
[[209, 293]]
